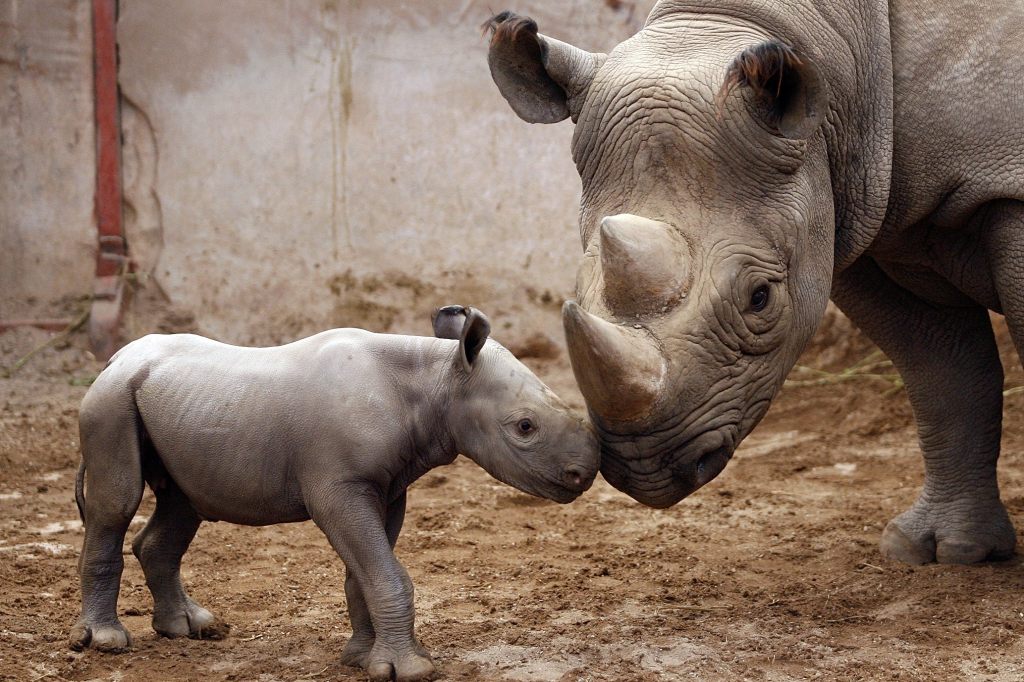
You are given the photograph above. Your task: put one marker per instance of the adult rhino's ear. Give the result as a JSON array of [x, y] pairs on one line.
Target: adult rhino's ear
[[474, 335], [448, 321], [544, 80], [785, 89]]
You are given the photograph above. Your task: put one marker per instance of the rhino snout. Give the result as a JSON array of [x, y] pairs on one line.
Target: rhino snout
[[578, 478], [580, 459], [660, 474]]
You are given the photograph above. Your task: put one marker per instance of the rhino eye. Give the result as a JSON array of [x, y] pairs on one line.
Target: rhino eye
[[759, 299], [525, 426]]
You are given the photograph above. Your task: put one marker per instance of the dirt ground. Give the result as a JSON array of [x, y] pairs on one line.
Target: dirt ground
[[769, 573]]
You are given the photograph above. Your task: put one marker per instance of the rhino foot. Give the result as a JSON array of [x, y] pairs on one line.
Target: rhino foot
[[411, 665], [961, 531], [110, 638], [356, 653], [192, 620]]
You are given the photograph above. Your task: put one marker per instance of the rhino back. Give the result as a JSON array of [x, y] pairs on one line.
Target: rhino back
[[238, 428], [958, 109]]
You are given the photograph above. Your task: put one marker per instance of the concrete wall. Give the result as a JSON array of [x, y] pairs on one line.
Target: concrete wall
[[292, 166], [47, 157]]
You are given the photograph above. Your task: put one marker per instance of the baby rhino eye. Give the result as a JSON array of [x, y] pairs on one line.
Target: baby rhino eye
[[525, 426]]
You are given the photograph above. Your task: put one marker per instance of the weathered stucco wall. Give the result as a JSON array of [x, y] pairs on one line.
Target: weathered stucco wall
[[297, 165], [290, 166], [47, 156]]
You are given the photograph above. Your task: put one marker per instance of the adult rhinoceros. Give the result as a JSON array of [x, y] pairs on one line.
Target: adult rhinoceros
[[741, 162]]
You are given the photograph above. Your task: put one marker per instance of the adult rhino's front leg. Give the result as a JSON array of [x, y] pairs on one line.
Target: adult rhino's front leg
[[949, 362]]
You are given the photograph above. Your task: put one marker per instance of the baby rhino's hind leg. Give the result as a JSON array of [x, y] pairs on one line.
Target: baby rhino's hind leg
[[159, 547], [110, 454]]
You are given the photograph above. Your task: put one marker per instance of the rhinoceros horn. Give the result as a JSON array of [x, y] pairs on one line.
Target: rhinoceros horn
[[643, 264], [620, 370]]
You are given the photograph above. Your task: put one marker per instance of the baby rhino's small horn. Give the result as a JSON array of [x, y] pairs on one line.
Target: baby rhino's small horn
[[620, 370]]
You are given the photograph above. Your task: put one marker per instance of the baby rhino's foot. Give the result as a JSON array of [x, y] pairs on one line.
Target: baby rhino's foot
[[356, 653], [111, 638], [410, 665], [189, 620]]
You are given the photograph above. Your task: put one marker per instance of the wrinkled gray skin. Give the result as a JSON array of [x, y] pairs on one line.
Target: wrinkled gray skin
[[883, 167], [331, 428]]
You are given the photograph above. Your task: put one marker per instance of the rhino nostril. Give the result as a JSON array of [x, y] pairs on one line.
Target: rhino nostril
[[711, 464], [574, 477]]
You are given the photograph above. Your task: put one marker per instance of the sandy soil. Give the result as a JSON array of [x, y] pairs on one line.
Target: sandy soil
[[769, 573]]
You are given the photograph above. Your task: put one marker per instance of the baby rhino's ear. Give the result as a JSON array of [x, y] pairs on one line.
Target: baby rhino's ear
[[474, 335], [448, 322], [468, 326]]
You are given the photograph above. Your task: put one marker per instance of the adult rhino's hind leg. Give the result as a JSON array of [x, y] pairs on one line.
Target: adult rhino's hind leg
[[159, 547], [110, 451], [949, 362]]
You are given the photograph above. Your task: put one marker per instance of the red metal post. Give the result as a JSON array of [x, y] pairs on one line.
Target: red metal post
[[111, 255]]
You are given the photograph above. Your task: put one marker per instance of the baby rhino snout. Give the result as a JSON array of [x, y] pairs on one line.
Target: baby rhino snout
[[578, 478], [579, 469]]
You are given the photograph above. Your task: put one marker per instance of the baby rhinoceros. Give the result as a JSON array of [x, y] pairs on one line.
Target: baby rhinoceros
[[331, 428]]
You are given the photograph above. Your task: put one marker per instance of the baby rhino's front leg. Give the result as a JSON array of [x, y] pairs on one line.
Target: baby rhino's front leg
[[353, 518], [357, 650]]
